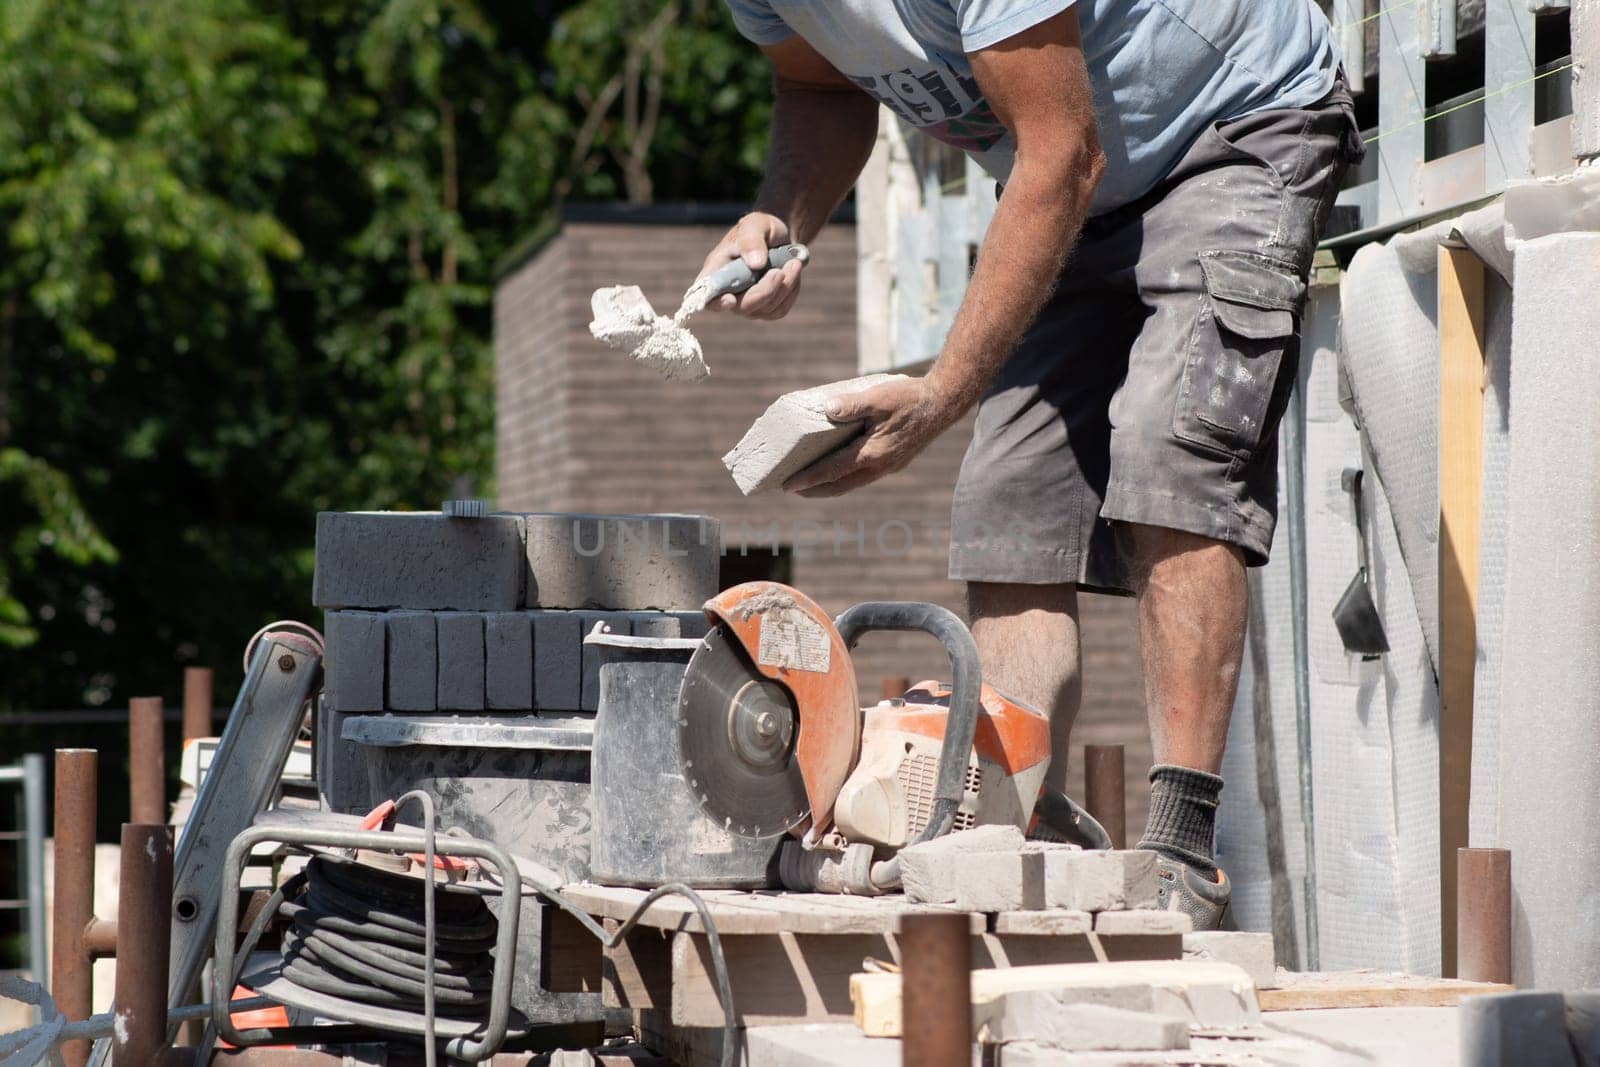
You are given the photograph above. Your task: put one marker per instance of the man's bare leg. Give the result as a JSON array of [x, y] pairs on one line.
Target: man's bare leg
[[1192, 609], [1028, 643]]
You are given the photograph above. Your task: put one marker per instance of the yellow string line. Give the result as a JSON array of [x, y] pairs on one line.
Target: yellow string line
[[1381, 134]]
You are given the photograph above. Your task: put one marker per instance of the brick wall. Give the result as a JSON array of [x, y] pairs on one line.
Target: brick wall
[[582, 428]]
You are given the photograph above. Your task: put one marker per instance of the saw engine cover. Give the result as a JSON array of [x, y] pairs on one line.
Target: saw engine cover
[[888, 798]]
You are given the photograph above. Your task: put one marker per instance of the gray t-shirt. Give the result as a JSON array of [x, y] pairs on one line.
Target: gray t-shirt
[[1161, 70]]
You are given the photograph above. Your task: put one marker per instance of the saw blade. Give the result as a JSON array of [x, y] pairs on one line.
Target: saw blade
[[736, 733]]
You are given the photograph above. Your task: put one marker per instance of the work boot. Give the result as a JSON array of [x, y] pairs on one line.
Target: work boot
[[1057, 817], [1202, 895]]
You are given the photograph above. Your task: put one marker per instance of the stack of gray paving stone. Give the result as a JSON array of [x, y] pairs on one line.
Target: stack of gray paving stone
[[468, 632]]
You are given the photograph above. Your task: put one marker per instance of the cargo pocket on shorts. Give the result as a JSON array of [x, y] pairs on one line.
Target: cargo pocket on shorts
[[1246, 324]]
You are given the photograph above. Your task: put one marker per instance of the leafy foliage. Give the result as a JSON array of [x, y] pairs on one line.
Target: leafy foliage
[[246, 262]]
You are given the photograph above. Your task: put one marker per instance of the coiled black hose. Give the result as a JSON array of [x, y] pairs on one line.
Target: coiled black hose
[[359, 933]]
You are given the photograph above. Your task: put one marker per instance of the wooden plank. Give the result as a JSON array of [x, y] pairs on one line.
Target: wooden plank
[[570, 957], [637, 973], [1368, 989], [805, 978], [1461, 356], [790, 978]]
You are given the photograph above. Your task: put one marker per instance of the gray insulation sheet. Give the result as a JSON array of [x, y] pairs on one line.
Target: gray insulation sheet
[[1545, 754]]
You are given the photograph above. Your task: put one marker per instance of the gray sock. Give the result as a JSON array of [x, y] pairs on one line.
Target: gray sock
[[1183, 814]]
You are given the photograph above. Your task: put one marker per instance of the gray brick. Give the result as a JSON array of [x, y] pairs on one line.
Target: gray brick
[[1250, 951], [619, 622], [417, 560], [692, 624], [355, 660], [461, 661], [1118, 1019], [930, 872], [621, 562], [657, 624], [413, 661], [508, 661], [557, 661]]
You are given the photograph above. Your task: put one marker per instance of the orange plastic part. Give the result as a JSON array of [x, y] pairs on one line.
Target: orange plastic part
[[803, 653], [1010, 734]]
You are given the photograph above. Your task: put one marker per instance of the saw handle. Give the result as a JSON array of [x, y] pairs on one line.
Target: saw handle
[[961, 724]]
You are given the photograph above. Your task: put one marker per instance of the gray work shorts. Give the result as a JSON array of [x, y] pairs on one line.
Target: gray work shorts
[[1150, 387]]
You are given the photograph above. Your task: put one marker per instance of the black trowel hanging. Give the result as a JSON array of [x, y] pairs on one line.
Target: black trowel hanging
[[1356, 614]]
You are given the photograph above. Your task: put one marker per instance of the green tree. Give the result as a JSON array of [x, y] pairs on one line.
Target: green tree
[[246, 260]]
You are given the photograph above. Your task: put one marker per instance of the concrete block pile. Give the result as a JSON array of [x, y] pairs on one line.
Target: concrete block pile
[[994, 869], [432, 613]]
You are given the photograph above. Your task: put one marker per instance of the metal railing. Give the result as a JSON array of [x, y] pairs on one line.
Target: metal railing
[[29, 778]]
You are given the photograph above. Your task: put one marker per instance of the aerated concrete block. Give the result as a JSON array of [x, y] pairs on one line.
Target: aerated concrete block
[[1511, 1029], [508, 661], [928, 872], [413, 661], [1087, 880], [461, 661], [355, 660], [557, 661], [418, 560], [1043, 1018], [1251, 952], [792, 434], [1142, 922], [621, 562], [618, 622]]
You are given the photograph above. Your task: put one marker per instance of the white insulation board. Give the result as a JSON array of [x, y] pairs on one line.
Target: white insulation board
[[1548, 741]]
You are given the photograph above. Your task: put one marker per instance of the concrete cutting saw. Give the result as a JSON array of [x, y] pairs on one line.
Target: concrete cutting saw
[[773, 738]]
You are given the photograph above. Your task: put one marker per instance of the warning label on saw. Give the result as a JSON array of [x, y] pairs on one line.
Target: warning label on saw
[[792, 639]]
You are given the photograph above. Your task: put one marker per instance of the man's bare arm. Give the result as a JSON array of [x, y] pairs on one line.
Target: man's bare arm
[[822, 130], [1038, 86]]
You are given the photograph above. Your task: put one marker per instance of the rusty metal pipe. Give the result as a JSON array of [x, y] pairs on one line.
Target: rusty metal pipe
[[100, 938], [197, 703], [893, 685], [144, 908], [70, 961], [1483, 914], [147, 761], [1105, 790], [936, 990]]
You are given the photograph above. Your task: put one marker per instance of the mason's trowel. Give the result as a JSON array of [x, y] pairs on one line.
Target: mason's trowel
[[624, 319]]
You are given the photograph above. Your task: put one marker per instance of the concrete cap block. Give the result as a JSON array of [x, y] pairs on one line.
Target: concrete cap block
[[1143, 921], [1251, 952], [418, 560], [355, 660], [1089, 880], [928, 870], [461, 661], [620, 562], [1120, 1019], [413, 661], [792, 434], [508, 661], [1512, 1029]]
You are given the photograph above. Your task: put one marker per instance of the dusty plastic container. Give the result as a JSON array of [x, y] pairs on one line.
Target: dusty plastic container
[[648, 827]]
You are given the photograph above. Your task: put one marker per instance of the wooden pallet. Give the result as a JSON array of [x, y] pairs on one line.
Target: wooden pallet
[[790, 955]]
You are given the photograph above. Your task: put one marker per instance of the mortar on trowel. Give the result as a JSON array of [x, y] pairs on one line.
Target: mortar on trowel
[[624, 319]]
